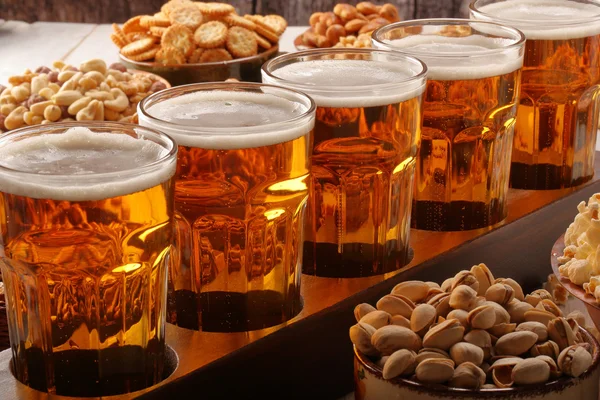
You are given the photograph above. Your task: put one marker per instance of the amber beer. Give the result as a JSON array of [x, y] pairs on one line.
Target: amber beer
[[241, 189], [366, 136], [469, 114], [85, 219], [557, 120]]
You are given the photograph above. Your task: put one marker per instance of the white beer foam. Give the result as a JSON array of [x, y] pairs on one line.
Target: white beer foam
[[225, 119], [69, 166], [460, 58], [349, 83], [546, 19]]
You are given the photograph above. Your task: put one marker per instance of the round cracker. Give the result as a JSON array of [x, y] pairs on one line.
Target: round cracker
[[276, 22], [145, 56], [145, 21], [157, 31], [215, 55], [262, 42], [170, 5], [156, 21], [133, 25], [133, 36], [236, 20], [195, 57], [168, 55], [138, 47], [215, 9], [180, 37], [211, 34], [187, 15], [117, 31], [264, 30], [241, 42], [117, 40]]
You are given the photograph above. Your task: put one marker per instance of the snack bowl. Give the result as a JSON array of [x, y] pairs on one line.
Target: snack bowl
[[244, 69], [369, 384]]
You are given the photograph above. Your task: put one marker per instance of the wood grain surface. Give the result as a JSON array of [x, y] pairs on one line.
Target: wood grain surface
[[296, 12]]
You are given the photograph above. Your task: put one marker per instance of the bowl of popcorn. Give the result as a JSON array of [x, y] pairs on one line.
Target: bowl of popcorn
[[189, 42], [346, 25], [93, 91], [473, 336]]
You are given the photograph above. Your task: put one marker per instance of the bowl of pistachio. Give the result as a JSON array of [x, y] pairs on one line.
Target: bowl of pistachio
[[473, 336]]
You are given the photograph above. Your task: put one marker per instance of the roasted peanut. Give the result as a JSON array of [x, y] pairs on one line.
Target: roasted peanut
[[15, 119], [52, 113]]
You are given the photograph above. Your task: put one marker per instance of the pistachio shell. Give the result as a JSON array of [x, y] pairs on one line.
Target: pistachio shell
[[489, 386], [549, 306], [483, 317], [542, 294], [574, 360], [460, 315], [435, 370], [381, 362], [561, 333], [517, 309], [466, 352], [362, 309], [466, 278], [548, 348], [468, 376], [500, 293], [517, 288], [539, 315], [533, 300], [484, 277], [377, 319], [427, 353], [432, 293], [500, 330], [400, 321], [444, 335], [401, 362], [515, 343], [423, 316], [433, 284], [441, 302], [501, 371], [481, 339], [531, 371], [502, 316], [463, 298], [391, 338], [360, 335], [554, 371], [416, 291], [395, 304], [447, 285], [536, 327]]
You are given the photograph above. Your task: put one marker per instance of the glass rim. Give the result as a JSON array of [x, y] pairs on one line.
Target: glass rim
[[115, 127], [185, 130], [518, 37], [537, 22], [267, 69]]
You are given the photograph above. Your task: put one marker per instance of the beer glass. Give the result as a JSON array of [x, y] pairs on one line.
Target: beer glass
[[366, 138], [240, 193], [557, 117], [469, 114], [85, 223]]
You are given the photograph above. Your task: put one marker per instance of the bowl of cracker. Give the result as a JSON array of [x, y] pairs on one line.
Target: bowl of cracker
[[188, 42]]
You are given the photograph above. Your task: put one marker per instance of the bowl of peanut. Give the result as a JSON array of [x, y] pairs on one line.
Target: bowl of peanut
[[94, 91], [474, 336]]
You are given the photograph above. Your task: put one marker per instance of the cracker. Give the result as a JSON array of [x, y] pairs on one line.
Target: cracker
[[133, 36], [145, 21], [116, 39], [264, 30], [133, 25], [241, 42], [276, 22], [215, 9], [170, 5], [158, 21], [160, 15], [146, 55], [157, 31], [195, 57], [236, 20], [138, 47], [117, 31], [187, 15], [262, 42], [168, 55], [180, 37], [211, 34], [215, 55]]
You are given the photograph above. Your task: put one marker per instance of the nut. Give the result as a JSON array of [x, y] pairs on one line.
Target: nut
[[561, 333], [466, 278], [435, 370], [38, 108], [427, 353], [515, 343], [78, 105], [377, 319], [391, 338], [548, 305], [463, 297], [359, 311], [501, 371], [536, 327], [441, 302], [52, 113], [500, 330], [484, 277], [466, 352], [516, 287], [483, 317], [548, 348], [15, 119], [554, 371], [500, 293], [517, 309], [360, 335], [460, 315], [502, 316], [396, 305], [468, 376], [416, 291], [400, 321], [574, 360], [422, 318], [38, 83], [444, 335], [401, 362], [538, 315], [88, 113], [20, 93], [66, 98], [481, 339], [93, 65], [531, 371]]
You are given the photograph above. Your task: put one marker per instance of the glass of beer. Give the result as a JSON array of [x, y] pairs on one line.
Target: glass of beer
[[557, 117], [366, 137], [240, 193], [469, 114], [86, 230]]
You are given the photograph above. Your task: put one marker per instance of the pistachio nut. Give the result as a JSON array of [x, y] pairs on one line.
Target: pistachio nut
[[516, 287], [548, 348], [444, 335], [542, 294], [362, 309], [463, 352], [549, 306], [502, 316], [447, 285], [395, 304], [381, 361], [391, 338], [500, 293], [401, 362], [485, 367], [561, 332], [517, 309], [500, 330], [483, 317], [515, 343], [441, 302], [416, 291], [400, 321], [484, 277], [577, 316], [432, 293], [435, 370], [533, 300], [574, 360], [460, 315], [538, 315], [360, 335], [489, 386], [501, 371], [554, 371], [433, 284], [468, 376], [481, 339], [463, 298], [530, 371], [427, 353], [466, 278], [536, 327], [423, 316], [377, 319]]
